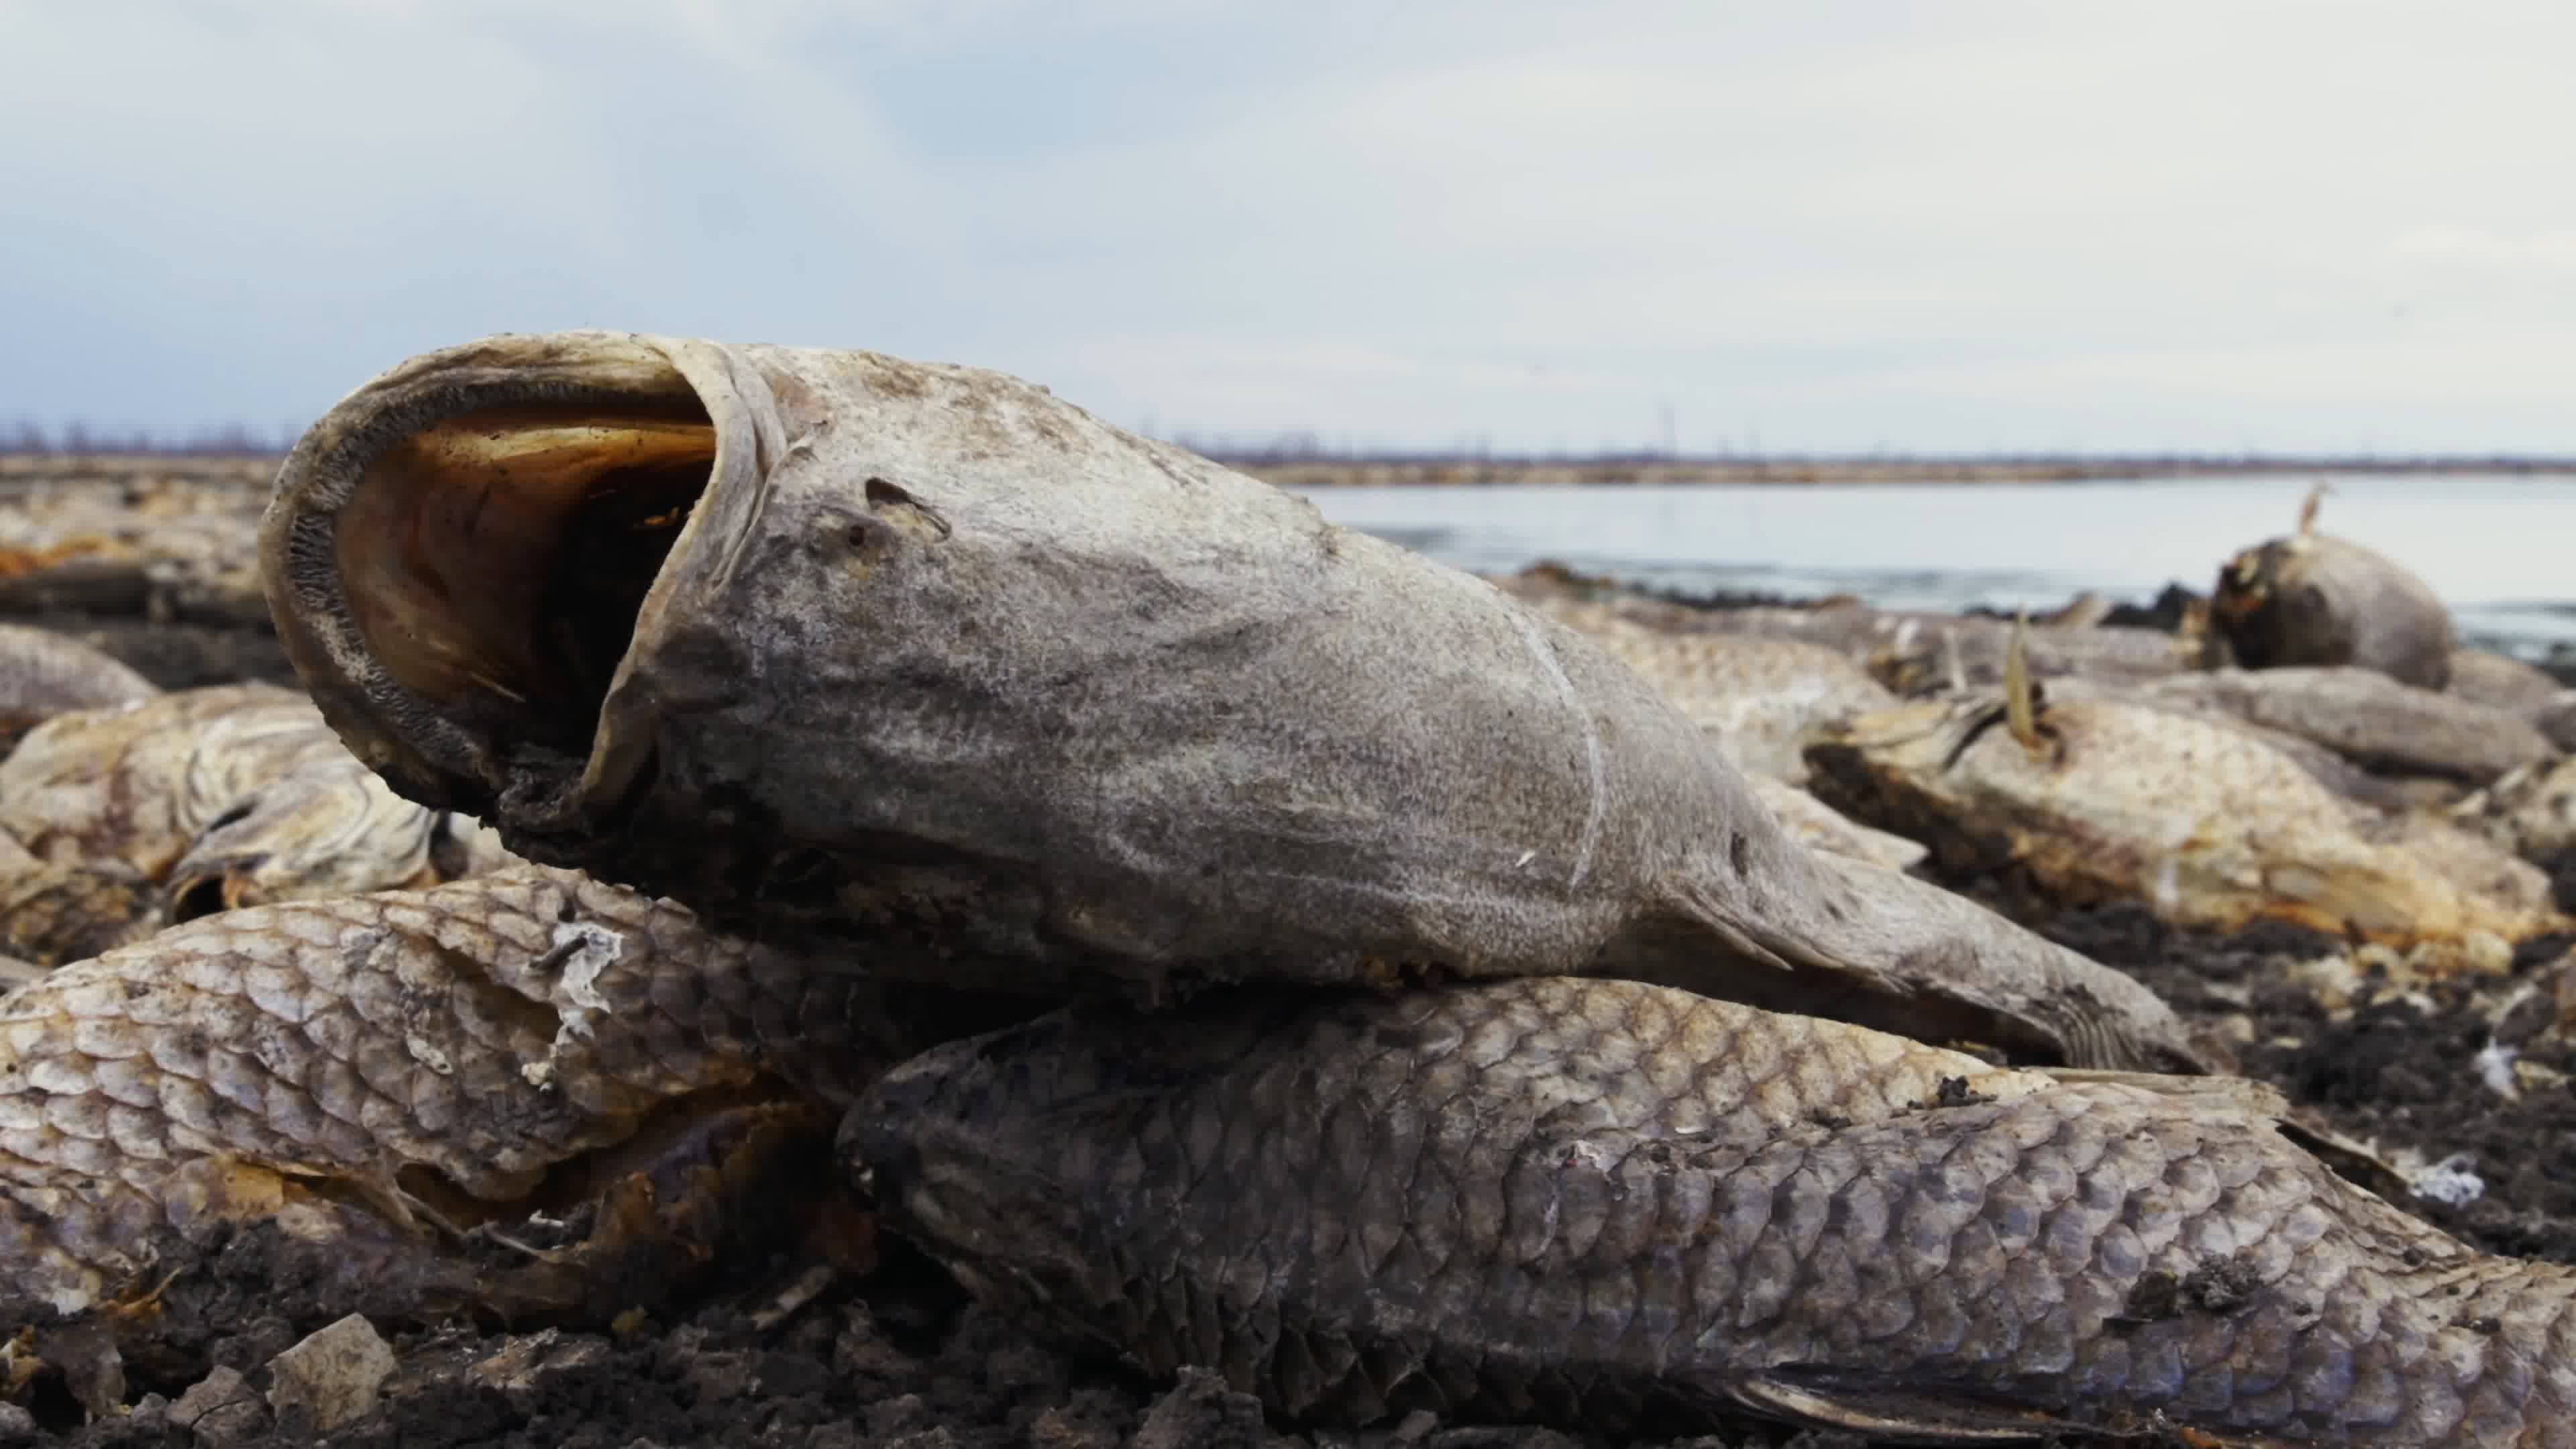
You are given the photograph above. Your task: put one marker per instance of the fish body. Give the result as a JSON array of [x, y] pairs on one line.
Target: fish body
[[2199, 820], [44, 673], [1590, 1201], [821, 641], [367, 1075]]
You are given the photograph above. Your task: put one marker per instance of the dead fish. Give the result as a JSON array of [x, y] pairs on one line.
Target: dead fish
[[2109, 801], [368, 1078], [1589, 1202], [2316, 599], [2500, 681], [2370, 719], [821, 642], [1758, 696], [1908, 652], [44, 673], [198, 801], [173, 546]]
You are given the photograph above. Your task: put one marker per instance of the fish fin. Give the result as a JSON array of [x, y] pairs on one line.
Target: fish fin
[[1895, 1413], [1749, 936]]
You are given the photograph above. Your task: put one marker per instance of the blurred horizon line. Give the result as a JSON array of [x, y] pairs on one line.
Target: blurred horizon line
[[1290, 448]]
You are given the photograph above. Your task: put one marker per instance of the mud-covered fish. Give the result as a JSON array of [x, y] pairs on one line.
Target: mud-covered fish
[[2098, 798], [205, 800], [44, 673], [1588, 1200], [826, 642], [2312, 598], [367, 1077]]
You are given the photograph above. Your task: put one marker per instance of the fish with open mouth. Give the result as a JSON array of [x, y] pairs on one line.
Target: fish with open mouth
[[1592, 1202], [199, 801], [826, 642]]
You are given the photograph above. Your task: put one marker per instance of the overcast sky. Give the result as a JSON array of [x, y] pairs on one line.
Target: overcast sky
[[1811, 225]]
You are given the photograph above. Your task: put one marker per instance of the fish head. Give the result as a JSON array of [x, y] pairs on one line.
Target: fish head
[[330, 828], [469, 555]]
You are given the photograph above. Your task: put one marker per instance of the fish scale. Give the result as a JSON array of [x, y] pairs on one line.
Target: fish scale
[[355, 1039], [1621, 1196]]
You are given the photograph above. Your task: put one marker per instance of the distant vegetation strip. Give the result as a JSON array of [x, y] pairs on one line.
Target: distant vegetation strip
[[1301, 463]]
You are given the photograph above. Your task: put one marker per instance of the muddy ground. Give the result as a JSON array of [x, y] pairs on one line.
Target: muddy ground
[[898, 1356]]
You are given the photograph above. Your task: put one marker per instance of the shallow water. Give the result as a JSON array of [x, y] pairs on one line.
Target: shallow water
[[2493, 546]]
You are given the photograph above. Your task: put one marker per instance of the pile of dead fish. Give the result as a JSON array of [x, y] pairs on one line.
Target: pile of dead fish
[[1227, 940], [2313, 747]]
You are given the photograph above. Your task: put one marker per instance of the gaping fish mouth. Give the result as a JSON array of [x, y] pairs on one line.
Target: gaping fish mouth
[[461, 555]]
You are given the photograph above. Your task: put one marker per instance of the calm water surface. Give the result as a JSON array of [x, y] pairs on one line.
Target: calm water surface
[[2496, 548]]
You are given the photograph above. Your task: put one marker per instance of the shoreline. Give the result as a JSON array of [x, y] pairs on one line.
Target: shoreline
[[1846, 472], [1430, 470]]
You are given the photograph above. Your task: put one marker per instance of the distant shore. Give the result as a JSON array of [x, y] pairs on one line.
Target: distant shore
[[1441, 471], [1841, 472]]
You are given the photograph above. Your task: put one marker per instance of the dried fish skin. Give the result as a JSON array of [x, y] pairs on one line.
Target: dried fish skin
[[828, 643], [2198, 820], [353, 1072], [198, 801], [44, 673], [1579, 1200], [2316, 599]]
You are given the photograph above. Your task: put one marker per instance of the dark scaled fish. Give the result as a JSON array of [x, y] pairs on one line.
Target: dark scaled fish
[[366, 1080], [1591, 1201], [828, 642]]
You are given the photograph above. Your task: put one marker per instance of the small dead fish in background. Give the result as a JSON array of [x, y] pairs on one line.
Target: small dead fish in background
[[1665, 1203], [2206, 825], [808, 639], [204, 800], [1758, 696], [44, 673], [2312, 598], [2370, 719]]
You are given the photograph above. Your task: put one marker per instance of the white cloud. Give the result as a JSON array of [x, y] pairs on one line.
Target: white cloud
[[2179, 225]]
